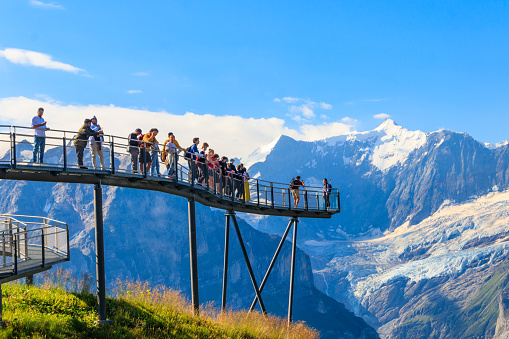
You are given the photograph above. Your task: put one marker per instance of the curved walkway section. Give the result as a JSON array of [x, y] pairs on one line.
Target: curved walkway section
[[30, 245], [225, 192]]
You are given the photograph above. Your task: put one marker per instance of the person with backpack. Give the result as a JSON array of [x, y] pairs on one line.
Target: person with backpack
[[96, 145], [81, 140], [294, 186], [133, 147], [327, 188], [192, 154]]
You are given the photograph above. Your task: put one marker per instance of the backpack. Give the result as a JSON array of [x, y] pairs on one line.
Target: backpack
[[292, 184], [188, 154]]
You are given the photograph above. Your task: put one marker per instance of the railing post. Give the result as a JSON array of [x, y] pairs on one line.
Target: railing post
[[232, 188], [15, 258], [13, 149], [258, 191], [339, 205], [272, 194], [206, 172], [305, 199], [43, 244], [112, 155], [192, 169], [64, 148], [145, 170], [289, 199]]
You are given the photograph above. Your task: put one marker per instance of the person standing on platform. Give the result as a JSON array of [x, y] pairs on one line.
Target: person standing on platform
[[170, 150], [81, 140], [147, 143], [192, 155], [39, 125], [232, 170], [223, 165], [134, 149], [96, 145], [327, 188], [295, 190], [202, 163]]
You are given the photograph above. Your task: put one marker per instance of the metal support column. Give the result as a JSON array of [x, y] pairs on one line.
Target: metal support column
[[248, 263], [225, 266], [99, 254], [29, 280], [193, 256], [292, 272], [2, 322]]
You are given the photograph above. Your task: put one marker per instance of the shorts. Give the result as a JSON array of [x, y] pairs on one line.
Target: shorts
[[143, 151], [295, 193]]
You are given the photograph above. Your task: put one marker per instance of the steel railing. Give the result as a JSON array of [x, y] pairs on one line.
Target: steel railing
[[59, 155], [28, 242]]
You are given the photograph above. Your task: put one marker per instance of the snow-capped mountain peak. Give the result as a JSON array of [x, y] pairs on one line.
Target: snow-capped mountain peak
[[386, 145]]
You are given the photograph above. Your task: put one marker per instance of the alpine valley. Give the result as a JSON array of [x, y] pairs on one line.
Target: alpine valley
[[421, 246], [419, 249]]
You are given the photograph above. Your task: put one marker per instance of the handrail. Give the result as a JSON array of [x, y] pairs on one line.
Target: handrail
[[31, 245], [116, 154]]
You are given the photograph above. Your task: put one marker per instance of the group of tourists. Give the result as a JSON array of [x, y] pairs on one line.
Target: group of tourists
[[206, 167]]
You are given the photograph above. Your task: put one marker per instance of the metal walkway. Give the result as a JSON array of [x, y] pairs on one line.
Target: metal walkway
[[229, 193], [29, 245]]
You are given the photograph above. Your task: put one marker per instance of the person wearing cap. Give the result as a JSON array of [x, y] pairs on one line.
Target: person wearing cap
[[133, 148], [39, 125], [81, 139], [96, 145]]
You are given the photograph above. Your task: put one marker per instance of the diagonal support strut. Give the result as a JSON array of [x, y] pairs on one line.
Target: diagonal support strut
[[274, 258], [248, 263]]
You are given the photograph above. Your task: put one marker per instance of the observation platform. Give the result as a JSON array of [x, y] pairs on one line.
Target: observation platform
[[254, 196], [30, 245]]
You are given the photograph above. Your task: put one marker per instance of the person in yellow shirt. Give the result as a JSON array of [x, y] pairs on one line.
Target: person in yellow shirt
[[147, 143]]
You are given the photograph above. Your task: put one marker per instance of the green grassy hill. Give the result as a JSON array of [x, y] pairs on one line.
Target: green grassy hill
[[136, 311]]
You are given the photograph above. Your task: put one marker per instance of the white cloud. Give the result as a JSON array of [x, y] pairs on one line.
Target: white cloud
[[244, 134], [277, 100], [381, 116], [141, 74], [297, 118], [134, 91], [51, 5], [31, 58], [290, 99], [349, 121], [304, 109], [325, 105], [324, 117]]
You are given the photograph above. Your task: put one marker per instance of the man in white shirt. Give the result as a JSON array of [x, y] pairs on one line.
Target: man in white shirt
[[96, 145], [39, 125]]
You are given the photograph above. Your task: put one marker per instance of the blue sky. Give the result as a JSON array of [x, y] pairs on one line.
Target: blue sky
[[428, 65]]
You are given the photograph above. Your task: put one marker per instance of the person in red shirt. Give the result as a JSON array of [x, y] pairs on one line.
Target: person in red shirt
[[295, 190]]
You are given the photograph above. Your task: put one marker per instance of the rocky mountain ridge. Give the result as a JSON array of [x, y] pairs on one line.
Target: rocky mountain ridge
[[420, 247]]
